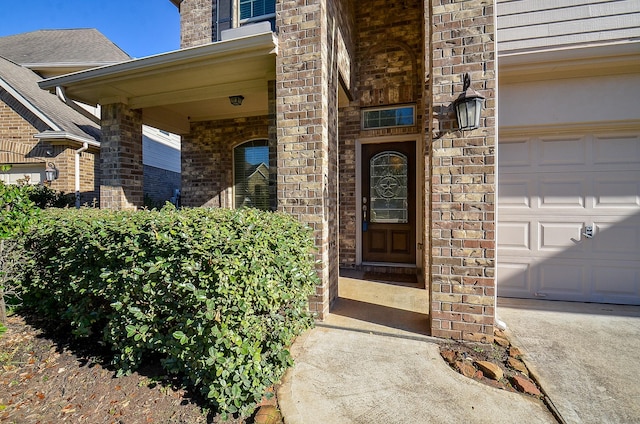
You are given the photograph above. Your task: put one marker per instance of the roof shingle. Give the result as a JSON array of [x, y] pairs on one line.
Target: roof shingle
[[83, 47], [25, 83]]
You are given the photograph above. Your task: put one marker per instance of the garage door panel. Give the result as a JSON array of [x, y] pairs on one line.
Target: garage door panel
[[560, 236], [516, 154], [515, 193], [562, 279], [615, 282], [562, 151], [619, 240], [609, 150], [514, 235], [561, 192], [618, 190], [515, 278]]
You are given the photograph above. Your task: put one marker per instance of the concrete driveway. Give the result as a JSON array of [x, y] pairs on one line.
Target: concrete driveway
[[585, 356]]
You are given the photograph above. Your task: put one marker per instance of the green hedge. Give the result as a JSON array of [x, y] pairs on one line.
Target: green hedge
[[218, 294]]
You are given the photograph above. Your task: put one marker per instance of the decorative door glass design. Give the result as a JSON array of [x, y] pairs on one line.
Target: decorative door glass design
[[388, 193]]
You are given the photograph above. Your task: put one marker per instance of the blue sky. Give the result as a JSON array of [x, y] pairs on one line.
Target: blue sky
[[139, 27]]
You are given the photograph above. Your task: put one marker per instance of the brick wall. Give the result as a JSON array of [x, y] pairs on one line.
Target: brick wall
[[207, 157], [159, 184], [121, 183], [18, 145], [197, 22], [463, 173], [16, 133], [302, 115]]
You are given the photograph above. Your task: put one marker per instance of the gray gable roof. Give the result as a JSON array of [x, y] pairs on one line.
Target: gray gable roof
[[54, 116], [84, 47]]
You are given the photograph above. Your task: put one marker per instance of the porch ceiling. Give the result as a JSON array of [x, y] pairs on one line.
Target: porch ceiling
[[183, 86]]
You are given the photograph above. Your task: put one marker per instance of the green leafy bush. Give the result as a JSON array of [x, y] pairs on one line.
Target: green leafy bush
[[17, 213], [218, 294]]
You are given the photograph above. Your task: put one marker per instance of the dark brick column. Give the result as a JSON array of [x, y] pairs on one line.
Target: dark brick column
[[121, 183]]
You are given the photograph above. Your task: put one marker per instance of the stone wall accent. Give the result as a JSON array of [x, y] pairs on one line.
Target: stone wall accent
[[207, 158], [197, 22], [121, 183], [463, 185]]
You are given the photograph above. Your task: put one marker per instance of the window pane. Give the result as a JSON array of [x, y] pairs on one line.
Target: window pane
[[389, 191], [256, 8], [251, 175], [245, 10], [389, 117]]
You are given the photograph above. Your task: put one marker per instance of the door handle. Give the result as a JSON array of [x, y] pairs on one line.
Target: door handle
[[588, 232], [365, 224]]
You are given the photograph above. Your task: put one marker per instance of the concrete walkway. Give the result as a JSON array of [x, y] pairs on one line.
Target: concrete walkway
[[586, 356], [343, 377]]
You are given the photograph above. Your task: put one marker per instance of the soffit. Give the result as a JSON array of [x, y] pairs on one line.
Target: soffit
[[176, 88]]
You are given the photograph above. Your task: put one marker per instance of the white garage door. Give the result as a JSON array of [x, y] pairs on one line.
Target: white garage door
[[19, 173], [550, 191]]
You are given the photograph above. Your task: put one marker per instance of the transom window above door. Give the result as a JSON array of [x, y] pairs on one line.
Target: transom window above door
[[402, 116]]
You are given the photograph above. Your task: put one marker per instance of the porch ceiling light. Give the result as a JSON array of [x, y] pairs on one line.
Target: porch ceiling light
[[236, 100], [51, 172], [468, 106]]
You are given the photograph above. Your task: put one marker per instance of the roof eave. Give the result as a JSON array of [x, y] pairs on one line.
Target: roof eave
[[265, 40], [53, 136]]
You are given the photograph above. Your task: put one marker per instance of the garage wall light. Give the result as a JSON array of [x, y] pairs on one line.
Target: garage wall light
[[468, 106], [51, 172]]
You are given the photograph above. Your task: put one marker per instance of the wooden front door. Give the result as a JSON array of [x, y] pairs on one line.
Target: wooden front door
[[389, 202]]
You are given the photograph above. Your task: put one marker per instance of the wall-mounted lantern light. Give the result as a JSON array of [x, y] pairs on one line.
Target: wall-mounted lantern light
[[468, 106], [236, 100], [51, 172]]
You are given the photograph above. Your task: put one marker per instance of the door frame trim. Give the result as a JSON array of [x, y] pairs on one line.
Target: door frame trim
[[416, 138]]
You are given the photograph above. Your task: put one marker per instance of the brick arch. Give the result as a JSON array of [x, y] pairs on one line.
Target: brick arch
[[388, 75]]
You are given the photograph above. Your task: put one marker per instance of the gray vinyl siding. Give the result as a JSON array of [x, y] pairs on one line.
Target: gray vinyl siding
[[530, 25]]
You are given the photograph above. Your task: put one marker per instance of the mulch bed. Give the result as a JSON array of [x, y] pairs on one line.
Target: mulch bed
[[46, 377]]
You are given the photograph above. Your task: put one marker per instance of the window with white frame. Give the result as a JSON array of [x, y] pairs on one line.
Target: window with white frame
[[402, 116], [251, 175]]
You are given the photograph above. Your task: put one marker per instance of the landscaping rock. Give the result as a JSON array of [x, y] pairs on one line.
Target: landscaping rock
[[490, 370], [501, 341], [518, 365], [514, 352], [268, 414], [449, 356], [465, 368], [525, 385]]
